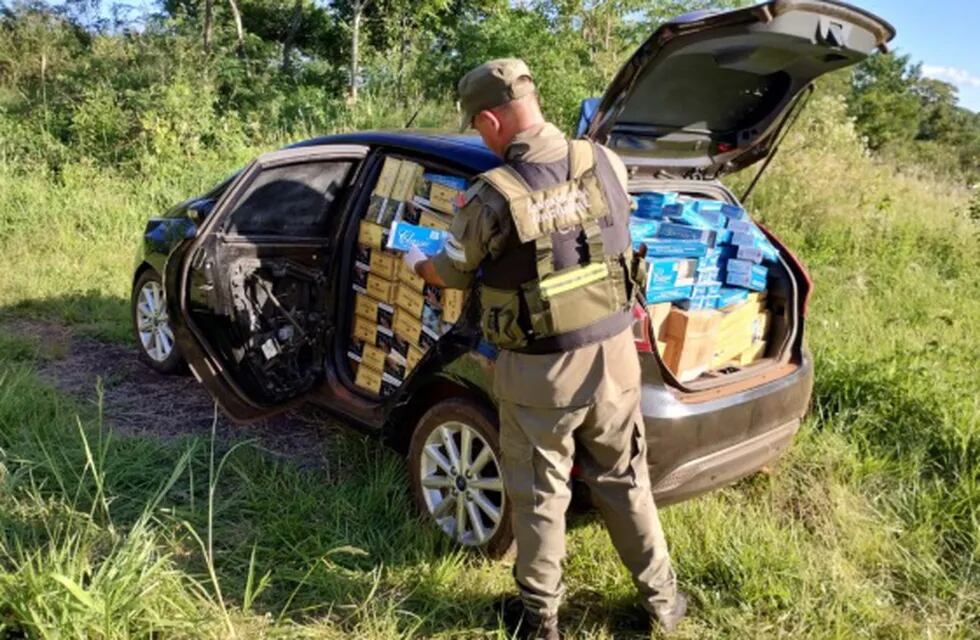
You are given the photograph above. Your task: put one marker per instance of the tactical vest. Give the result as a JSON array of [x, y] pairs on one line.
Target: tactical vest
[[567, 282]]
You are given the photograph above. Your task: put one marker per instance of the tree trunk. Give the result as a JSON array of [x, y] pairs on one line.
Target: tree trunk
[[208, 12], [354, 53], [287, 45], [239, 30]]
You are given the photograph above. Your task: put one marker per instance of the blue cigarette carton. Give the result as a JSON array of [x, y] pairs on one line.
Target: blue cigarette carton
[[735, 265], [673, 248], [655, 294], [743, 238], [403, 235], [650, 204], [699, 302], [716, 219], [640, 229], [710, 274], [706, 289], [754, 279], [684, 232], [728, 296], [686, 213], [666, 273], [741, 226], [751, 254], [727, 210], [453, 182]]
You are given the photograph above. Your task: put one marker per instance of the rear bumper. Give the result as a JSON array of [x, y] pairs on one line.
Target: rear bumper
[[694, 448]]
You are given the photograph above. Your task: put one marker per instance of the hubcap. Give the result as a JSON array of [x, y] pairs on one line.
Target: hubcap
[[461, 483], [152, 322]]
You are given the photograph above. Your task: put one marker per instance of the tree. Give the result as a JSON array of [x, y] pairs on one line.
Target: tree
[[882, 101]]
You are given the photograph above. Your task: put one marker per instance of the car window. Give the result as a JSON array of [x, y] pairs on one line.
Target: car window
[[289, 200]]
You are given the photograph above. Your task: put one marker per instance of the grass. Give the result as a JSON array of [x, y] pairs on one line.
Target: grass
[[869, 527]]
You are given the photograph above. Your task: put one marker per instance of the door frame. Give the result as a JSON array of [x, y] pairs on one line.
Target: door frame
[[204, 363]]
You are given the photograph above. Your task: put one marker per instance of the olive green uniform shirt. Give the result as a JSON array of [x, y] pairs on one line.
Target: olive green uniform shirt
[[482, 230]]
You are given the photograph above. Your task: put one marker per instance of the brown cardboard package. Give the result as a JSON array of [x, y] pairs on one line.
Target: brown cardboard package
[[690, 337], [372, 235], [443, 198]]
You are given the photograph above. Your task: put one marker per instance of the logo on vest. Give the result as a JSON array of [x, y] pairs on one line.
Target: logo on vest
[[567, 203]]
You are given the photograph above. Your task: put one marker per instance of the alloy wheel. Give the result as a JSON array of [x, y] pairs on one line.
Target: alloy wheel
[[152, 322], [461, 483]]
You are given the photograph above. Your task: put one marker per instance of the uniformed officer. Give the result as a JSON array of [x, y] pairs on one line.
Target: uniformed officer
[[549, 232]]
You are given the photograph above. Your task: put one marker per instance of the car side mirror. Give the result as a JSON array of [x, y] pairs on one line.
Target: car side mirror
[[198, 210]]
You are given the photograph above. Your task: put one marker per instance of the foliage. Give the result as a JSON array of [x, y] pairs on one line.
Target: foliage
[[914, 119], [867, 529]]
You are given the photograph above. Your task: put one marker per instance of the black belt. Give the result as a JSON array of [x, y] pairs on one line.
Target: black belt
[[593, 333]]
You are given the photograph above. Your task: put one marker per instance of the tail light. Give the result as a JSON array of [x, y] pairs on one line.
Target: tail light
[[807, 285], [641, 329]]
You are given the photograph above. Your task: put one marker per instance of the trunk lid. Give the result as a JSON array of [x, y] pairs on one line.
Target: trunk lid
[[705, 95]]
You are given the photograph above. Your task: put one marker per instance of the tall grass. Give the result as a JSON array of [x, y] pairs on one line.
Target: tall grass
[[869, 528]]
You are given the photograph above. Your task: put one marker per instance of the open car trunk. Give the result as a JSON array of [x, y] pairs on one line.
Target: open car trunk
[[697, 340]]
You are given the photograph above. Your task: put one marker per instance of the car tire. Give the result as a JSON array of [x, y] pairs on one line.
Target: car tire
[[151, 326], [441, 476]]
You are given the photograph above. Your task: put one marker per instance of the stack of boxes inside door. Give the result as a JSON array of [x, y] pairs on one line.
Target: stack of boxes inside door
[[708, 267], [397, 317]]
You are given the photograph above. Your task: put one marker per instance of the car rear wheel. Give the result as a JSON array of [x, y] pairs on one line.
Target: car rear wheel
[[454, 460], [151, 325]]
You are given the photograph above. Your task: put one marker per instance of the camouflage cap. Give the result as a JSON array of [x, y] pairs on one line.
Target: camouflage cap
[[492, 84]]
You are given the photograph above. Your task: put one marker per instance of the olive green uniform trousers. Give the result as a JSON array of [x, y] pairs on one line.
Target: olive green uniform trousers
[[581, 406]]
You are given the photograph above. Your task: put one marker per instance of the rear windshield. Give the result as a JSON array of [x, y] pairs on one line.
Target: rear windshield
[[693, 92]]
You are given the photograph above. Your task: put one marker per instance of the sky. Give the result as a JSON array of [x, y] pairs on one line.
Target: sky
[[944, 35]]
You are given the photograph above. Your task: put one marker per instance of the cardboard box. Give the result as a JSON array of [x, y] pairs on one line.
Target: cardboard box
[[408, 174], [411, 329], [414, 356], [689, 356], [410, 300], [367, 354], [434, 220], [386, 179], [443, 198], [680, 323], [368, 379], [753, 353], [383, 211], [384, 263], [372, 235], [372, 333], [376, 311], [381, 289], [736, 339], [452, 304], [658, 314]]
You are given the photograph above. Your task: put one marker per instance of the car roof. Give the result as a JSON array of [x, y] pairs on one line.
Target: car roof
[[461, 149]]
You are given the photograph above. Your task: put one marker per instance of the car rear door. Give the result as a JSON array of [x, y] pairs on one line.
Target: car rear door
[[249, 296], [707, 93]]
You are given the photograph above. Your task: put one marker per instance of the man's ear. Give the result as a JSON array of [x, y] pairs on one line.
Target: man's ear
[[487, 118]]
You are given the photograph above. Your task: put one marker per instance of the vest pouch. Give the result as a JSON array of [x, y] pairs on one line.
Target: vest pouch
[[498, 320], [576, 298]]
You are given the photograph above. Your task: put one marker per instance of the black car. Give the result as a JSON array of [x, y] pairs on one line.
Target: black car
[[256, 273]]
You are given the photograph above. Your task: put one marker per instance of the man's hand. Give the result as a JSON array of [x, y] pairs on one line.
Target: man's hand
[[413, 257]]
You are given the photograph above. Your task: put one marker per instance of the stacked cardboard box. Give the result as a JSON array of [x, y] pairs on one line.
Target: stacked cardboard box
[[707, 261], [397, 317]]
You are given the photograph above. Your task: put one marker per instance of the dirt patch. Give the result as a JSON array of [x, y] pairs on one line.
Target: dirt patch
[[139, 401]]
